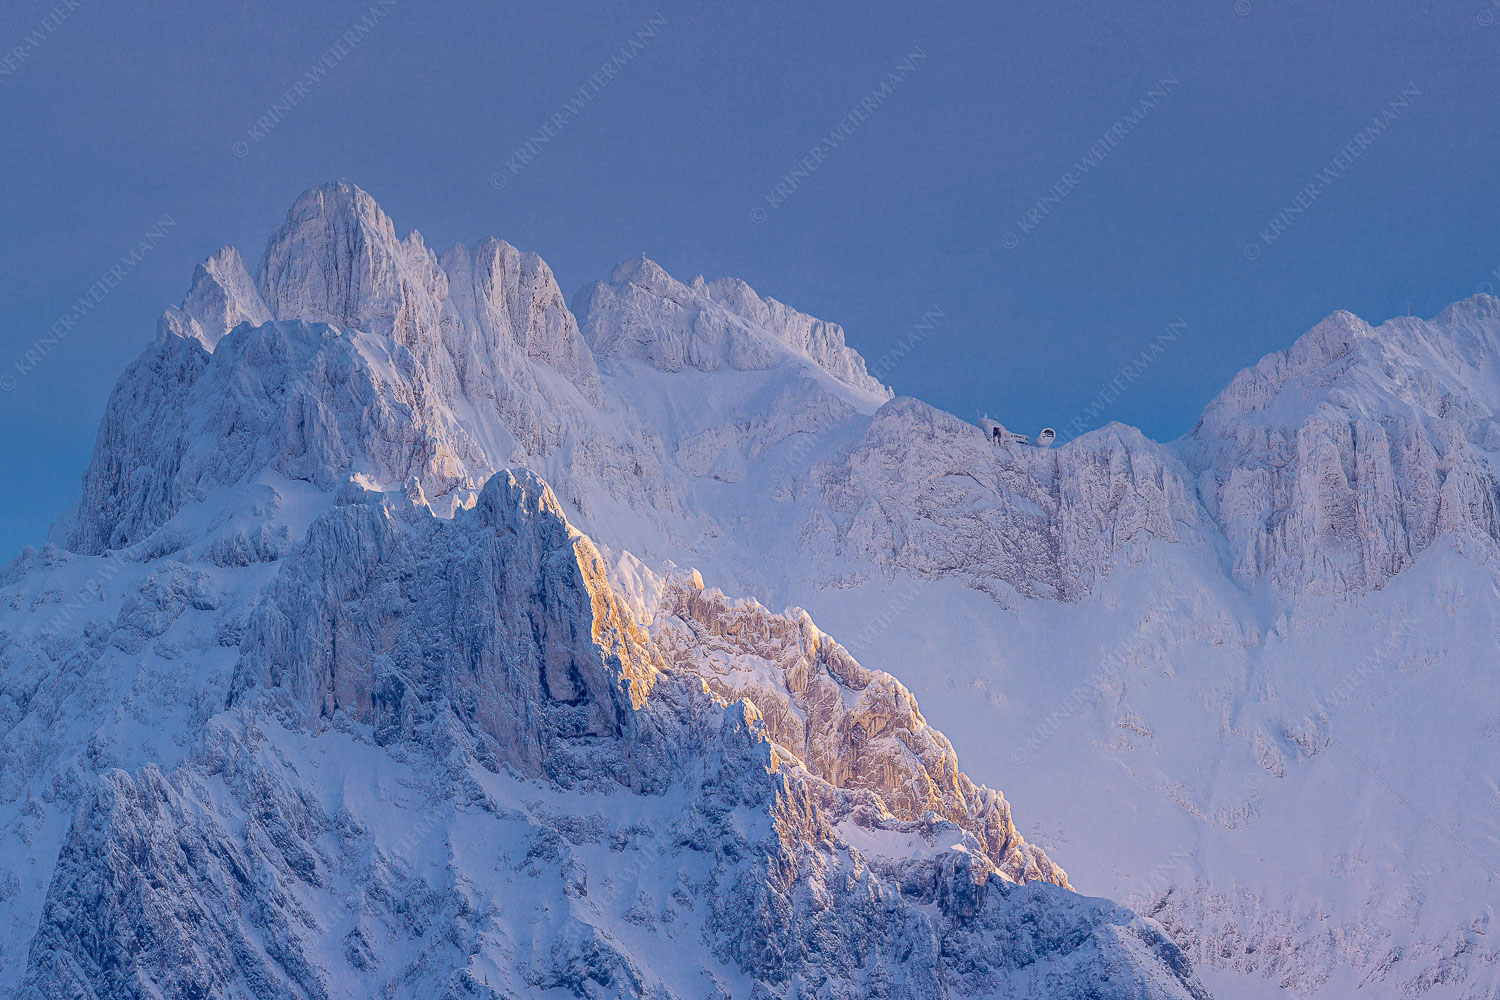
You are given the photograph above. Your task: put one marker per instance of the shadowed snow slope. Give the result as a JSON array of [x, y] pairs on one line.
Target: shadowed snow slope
[[320, 698]]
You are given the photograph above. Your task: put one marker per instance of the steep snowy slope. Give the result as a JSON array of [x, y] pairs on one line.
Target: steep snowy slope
[[318, 700], [1282, 627]]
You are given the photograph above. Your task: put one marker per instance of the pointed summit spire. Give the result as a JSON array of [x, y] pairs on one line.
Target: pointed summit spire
[[222, 296], [337, 259]]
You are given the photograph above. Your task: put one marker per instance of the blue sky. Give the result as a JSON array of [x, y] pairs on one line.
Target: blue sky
[[1066, 184]]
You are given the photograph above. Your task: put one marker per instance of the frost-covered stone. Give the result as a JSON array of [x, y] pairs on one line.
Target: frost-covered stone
[[223, 295], [857, 730], [1331, 465], [644, 313], [924, 492], [360, 355]]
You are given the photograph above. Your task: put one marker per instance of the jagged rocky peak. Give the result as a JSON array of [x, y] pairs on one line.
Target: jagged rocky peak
[[1316, 357], [817, 338], [1330, 465], [855, 729], [1346, 363], [645, 314], [354, 353], [475, 316], [222, 296], [503, 612], [489, 308], [502, 296], [337, 259], [1448, 366]]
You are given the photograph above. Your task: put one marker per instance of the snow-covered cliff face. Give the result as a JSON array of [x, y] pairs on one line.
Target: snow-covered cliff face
[[925, 493], [1332, 464], [319, 700], [643, 313], [449, 762], [386, 611]]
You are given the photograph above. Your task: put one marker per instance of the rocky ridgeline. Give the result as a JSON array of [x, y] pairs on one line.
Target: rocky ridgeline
[[318, 702], [487, 658]]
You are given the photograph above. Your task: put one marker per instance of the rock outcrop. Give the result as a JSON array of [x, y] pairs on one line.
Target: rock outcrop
[[645, 314]]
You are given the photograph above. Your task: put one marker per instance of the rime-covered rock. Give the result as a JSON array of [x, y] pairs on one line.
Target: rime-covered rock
[[923, 492], [1331, 465], [645, 314], [857, 730]]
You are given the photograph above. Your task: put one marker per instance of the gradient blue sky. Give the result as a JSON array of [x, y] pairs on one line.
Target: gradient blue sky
[[116, 119]]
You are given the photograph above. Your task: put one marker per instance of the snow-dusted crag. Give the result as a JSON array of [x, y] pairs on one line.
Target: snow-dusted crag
[[646, 314], [855, 729], [1330, 466], [317, 695], [1008, 521], [380, 358]]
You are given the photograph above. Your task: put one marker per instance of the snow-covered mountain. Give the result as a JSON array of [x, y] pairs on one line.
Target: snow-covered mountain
[[316, 694], [1281, 629]]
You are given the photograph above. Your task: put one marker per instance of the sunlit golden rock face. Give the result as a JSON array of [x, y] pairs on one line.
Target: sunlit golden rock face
[[856, 730]]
